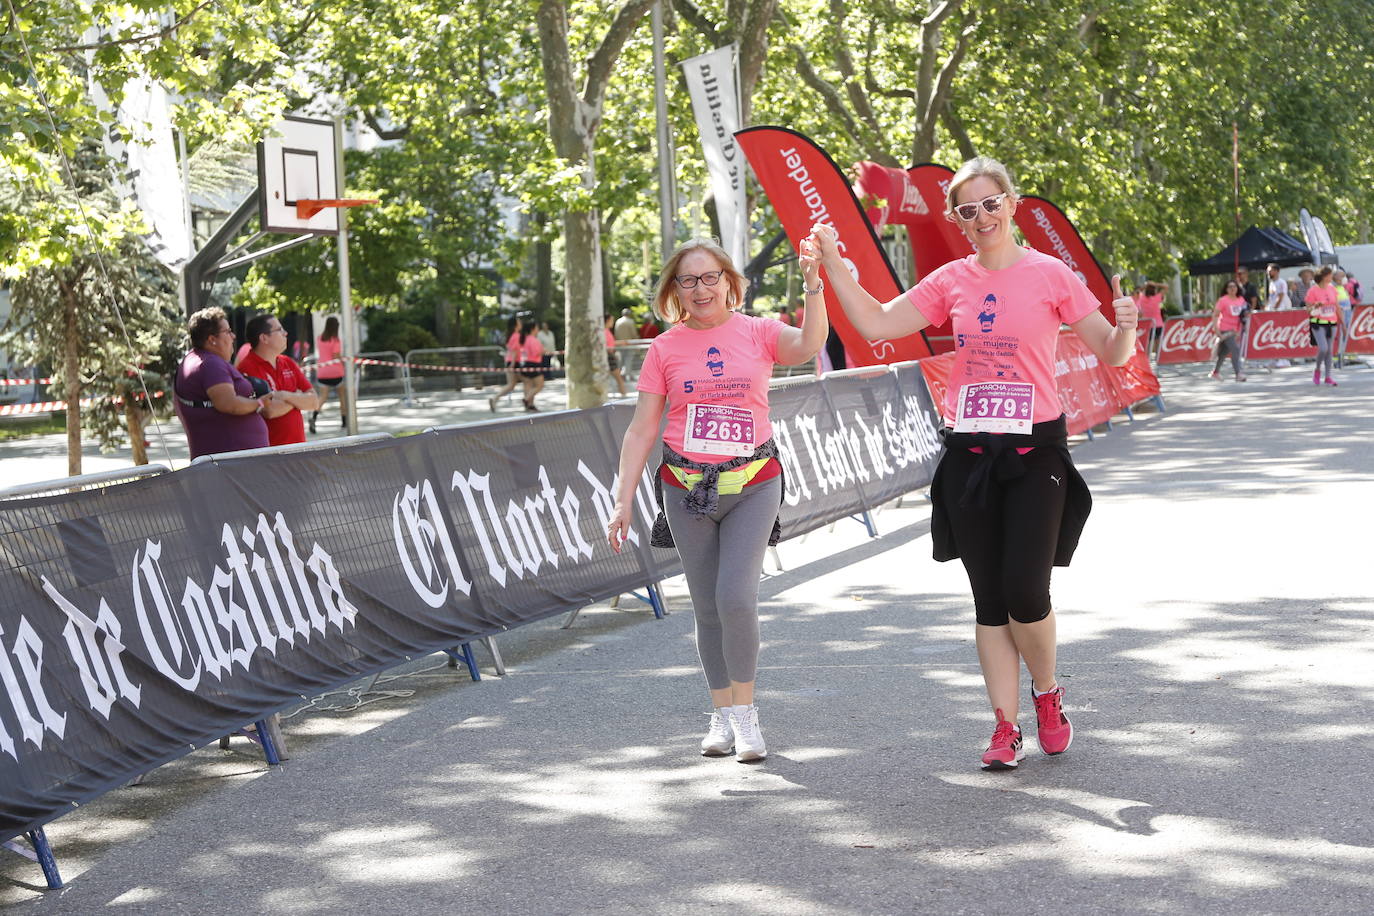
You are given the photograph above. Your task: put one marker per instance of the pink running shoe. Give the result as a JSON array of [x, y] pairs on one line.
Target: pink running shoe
[[1005, 751], [1331, 383], [1317, 377], [1053, 729]]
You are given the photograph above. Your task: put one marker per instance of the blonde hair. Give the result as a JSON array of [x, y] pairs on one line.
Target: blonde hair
[[979, 166], [664, 302]]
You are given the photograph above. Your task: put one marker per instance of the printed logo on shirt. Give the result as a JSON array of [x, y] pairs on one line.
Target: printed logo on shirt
[[715, 362], [988, 313]]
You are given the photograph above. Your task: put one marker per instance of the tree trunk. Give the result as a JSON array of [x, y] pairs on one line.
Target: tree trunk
[[71, 377], [586, 344], [133, 422]]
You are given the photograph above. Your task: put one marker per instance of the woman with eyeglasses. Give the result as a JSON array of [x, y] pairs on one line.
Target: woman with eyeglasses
[[1006, 498], [720, 480], [1225, 326]]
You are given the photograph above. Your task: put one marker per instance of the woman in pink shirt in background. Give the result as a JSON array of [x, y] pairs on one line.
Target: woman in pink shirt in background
[[1324, 320], [1006, 498], [720, 477], [329, 370], [1149, 301], [1226, 318]]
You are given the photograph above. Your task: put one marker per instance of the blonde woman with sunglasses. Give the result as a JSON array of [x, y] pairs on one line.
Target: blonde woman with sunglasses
[[720, 480], [1006, 498]]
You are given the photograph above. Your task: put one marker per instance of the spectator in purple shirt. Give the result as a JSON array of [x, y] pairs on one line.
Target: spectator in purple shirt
[[217, 406]]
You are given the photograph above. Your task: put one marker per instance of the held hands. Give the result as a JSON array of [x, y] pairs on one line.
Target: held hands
[[810, 260], [618, 526], [1127, 315], [824, 245]]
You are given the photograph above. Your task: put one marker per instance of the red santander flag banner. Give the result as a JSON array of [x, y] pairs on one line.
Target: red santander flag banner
[[1279, 335], [1047, 229], [943, 241], [1185, 340], [1362, 330], [937, 240], [806, 187]]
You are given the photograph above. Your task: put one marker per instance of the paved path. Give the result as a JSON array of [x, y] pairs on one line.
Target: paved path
[[1217, 633]]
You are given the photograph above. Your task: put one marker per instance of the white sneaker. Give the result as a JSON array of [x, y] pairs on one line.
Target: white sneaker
[[720, 739], [749, 745]]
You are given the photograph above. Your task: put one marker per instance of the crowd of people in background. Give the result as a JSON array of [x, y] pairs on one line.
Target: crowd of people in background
[[1329, 321]]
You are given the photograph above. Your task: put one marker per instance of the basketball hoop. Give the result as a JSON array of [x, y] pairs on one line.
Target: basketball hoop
[[308, 208]]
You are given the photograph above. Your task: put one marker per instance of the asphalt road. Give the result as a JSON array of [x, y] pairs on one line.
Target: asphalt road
[[1217, 645]]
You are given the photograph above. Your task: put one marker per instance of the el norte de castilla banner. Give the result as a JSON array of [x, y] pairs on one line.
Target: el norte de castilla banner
[[147, 618]]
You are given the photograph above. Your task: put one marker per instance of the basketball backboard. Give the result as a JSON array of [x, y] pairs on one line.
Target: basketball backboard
[[298, 163]]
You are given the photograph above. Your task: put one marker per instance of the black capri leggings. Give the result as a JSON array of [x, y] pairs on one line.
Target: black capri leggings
[[1008, 545]]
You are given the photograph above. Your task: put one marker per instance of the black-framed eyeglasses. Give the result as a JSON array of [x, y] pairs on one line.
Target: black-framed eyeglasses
[[689, 281], [992, 203]]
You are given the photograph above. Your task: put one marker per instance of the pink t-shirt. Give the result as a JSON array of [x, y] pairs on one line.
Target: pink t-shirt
[[1230, 308], [325, 352], [533, 351], [513, 348], [727, 366], [1149, 308], [1006, 322], [1325, 297]]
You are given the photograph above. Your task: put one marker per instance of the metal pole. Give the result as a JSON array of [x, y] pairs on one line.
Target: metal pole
[[666, 204], [346, 327]]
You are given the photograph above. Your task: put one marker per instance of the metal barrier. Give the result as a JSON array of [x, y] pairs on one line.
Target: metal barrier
[[483, 366], [376, 376], [84, 482]]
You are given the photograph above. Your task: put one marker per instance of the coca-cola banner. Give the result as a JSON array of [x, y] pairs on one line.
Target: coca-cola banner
[[1047, 229], [1362, 331], [1279, 335], [1185, 340], [146, 618], [805, 187]]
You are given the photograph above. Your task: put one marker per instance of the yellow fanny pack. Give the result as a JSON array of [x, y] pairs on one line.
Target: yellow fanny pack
[[730, 482]]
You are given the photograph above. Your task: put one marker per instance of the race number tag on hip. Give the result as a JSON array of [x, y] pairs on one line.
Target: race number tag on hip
[[995, 407], [716, 429]]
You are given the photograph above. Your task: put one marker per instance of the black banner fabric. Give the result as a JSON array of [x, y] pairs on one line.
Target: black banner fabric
[[147, 618]]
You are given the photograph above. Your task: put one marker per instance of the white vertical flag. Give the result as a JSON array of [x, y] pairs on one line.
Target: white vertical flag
[[715, 102], [148, 157]]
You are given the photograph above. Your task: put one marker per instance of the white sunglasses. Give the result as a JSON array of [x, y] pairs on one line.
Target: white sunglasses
[[969, 212]]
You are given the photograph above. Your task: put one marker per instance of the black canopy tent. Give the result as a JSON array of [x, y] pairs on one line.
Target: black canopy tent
[[1256, 248]]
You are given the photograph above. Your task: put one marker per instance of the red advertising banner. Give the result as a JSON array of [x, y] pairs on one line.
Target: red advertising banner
[[1047, 229], [1185, 341], [936, 369], [806, 187], [1085, 391], [1362, 330], [945, 241], [1090, 392], [1135, 381], [938, 240], [1279, 335]]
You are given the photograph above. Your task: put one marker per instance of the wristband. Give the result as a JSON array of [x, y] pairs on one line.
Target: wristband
[[820, 288]]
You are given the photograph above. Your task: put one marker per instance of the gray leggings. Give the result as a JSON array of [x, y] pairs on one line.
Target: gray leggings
[[722, 555], [1230, 340], [1324, 334]]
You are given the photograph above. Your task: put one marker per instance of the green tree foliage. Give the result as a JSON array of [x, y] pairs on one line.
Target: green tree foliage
[[88, 299]]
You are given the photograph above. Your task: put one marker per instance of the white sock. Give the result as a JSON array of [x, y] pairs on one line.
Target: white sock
[[741, 710], [1041, 693]]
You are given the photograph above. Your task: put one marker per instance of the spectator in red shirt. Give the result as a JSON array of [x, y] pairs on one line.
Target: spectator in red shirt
[[269, 362]]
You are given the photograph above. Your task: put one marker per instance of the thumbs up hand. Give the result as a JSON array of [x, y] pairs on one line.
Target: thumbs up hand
[[1127, 315]]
